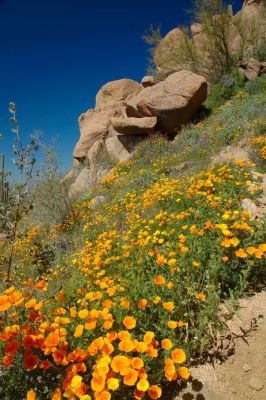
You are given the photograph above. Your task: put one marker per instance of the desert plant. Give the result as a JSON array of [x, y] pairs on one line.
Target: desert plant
[[19, 203], [51, 204], [4, 187]]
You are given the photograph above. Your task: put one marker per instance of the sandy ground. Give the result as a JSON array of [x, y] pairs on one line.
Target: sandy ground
[[243, 375]]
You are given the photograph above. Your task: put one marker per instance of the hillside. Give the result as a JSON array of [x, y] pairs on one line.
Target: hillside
[[120, 300]]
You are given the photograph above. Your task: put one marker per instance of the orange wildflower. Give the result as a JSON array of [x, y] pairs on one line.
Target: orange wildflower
[[155, 392], [129, 322], [137, 363], [31, 395], [148, 337], [12, 347], [168, 306], [241, 253], [172, 324], [183, 372], [142, 303], [4, 303], [166, 344], [120, 363], [126, 345], [178, 356], [159, 280], [201, 296], [131, 378], [52, 340], [97, 383]]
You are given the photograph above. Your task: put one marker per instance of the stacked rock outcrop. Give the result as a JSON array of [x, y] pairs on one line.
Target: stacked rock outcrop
[[125, 113], [246, 38]]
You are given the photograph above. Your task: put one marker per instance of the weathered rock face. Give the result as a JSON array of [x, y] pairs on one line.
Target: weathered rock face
[[121, 147], [115, 92], [81, 184], [125, 114], [95, 124], [134, 126], [147, 81], [173, 101], [251, 69]]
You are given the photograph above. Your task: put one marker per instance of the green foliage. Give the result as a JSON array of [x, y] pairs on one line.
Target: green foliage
[[49, 192], [4, 187], [229, 85], [256, 86], [18, 204]]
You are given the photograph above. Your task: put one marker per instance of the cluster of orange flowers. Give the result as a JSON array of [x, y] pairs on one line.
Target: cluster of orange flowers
[[129, 326]]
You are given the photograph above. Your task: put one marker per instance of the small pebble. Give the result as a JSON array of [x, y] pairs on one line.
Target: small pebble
[[255, 384], [246, 367]]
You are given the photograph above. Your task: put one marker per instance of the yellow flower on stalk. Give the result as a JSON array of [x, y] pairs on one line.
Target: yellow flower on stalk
[[156, 300], [168, 306], [234, 241], [113, 384], [76, 382], [251, 250], [172, 324], [79, 331], [143, 385]]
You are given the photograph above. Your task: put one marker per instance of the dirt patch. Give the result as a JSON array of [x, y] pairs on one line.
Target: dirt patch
[[243, 375]]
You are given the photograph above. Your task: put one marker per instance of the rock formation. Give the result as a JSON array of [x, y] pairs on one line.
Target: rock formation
[[246, 39], [125, 113]]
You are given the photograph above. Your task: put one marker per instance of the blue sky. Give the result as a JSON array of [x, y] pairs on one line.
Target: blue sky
[[56, 54]]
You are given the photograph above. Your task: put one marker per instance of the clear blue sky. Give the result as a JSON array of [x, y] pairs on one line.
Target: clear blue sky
[[56, 54]]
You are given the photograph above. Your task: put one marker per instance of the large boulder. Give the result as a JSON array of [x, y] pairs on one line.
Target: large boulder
[[81, 184], [116, 91], [250, 23], [94, 125], [252, 69], [134, 126], [165, 53], [173, 101]]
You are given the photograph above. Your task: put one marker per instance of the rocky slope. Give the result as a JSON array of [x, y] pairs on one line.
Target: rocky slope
[[126, 112]]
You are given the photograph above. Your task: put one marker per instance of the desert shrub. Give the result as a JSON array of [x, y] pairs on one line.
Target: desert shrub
[[51, 204], [18, 203], [228, 86], [256, 86]]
